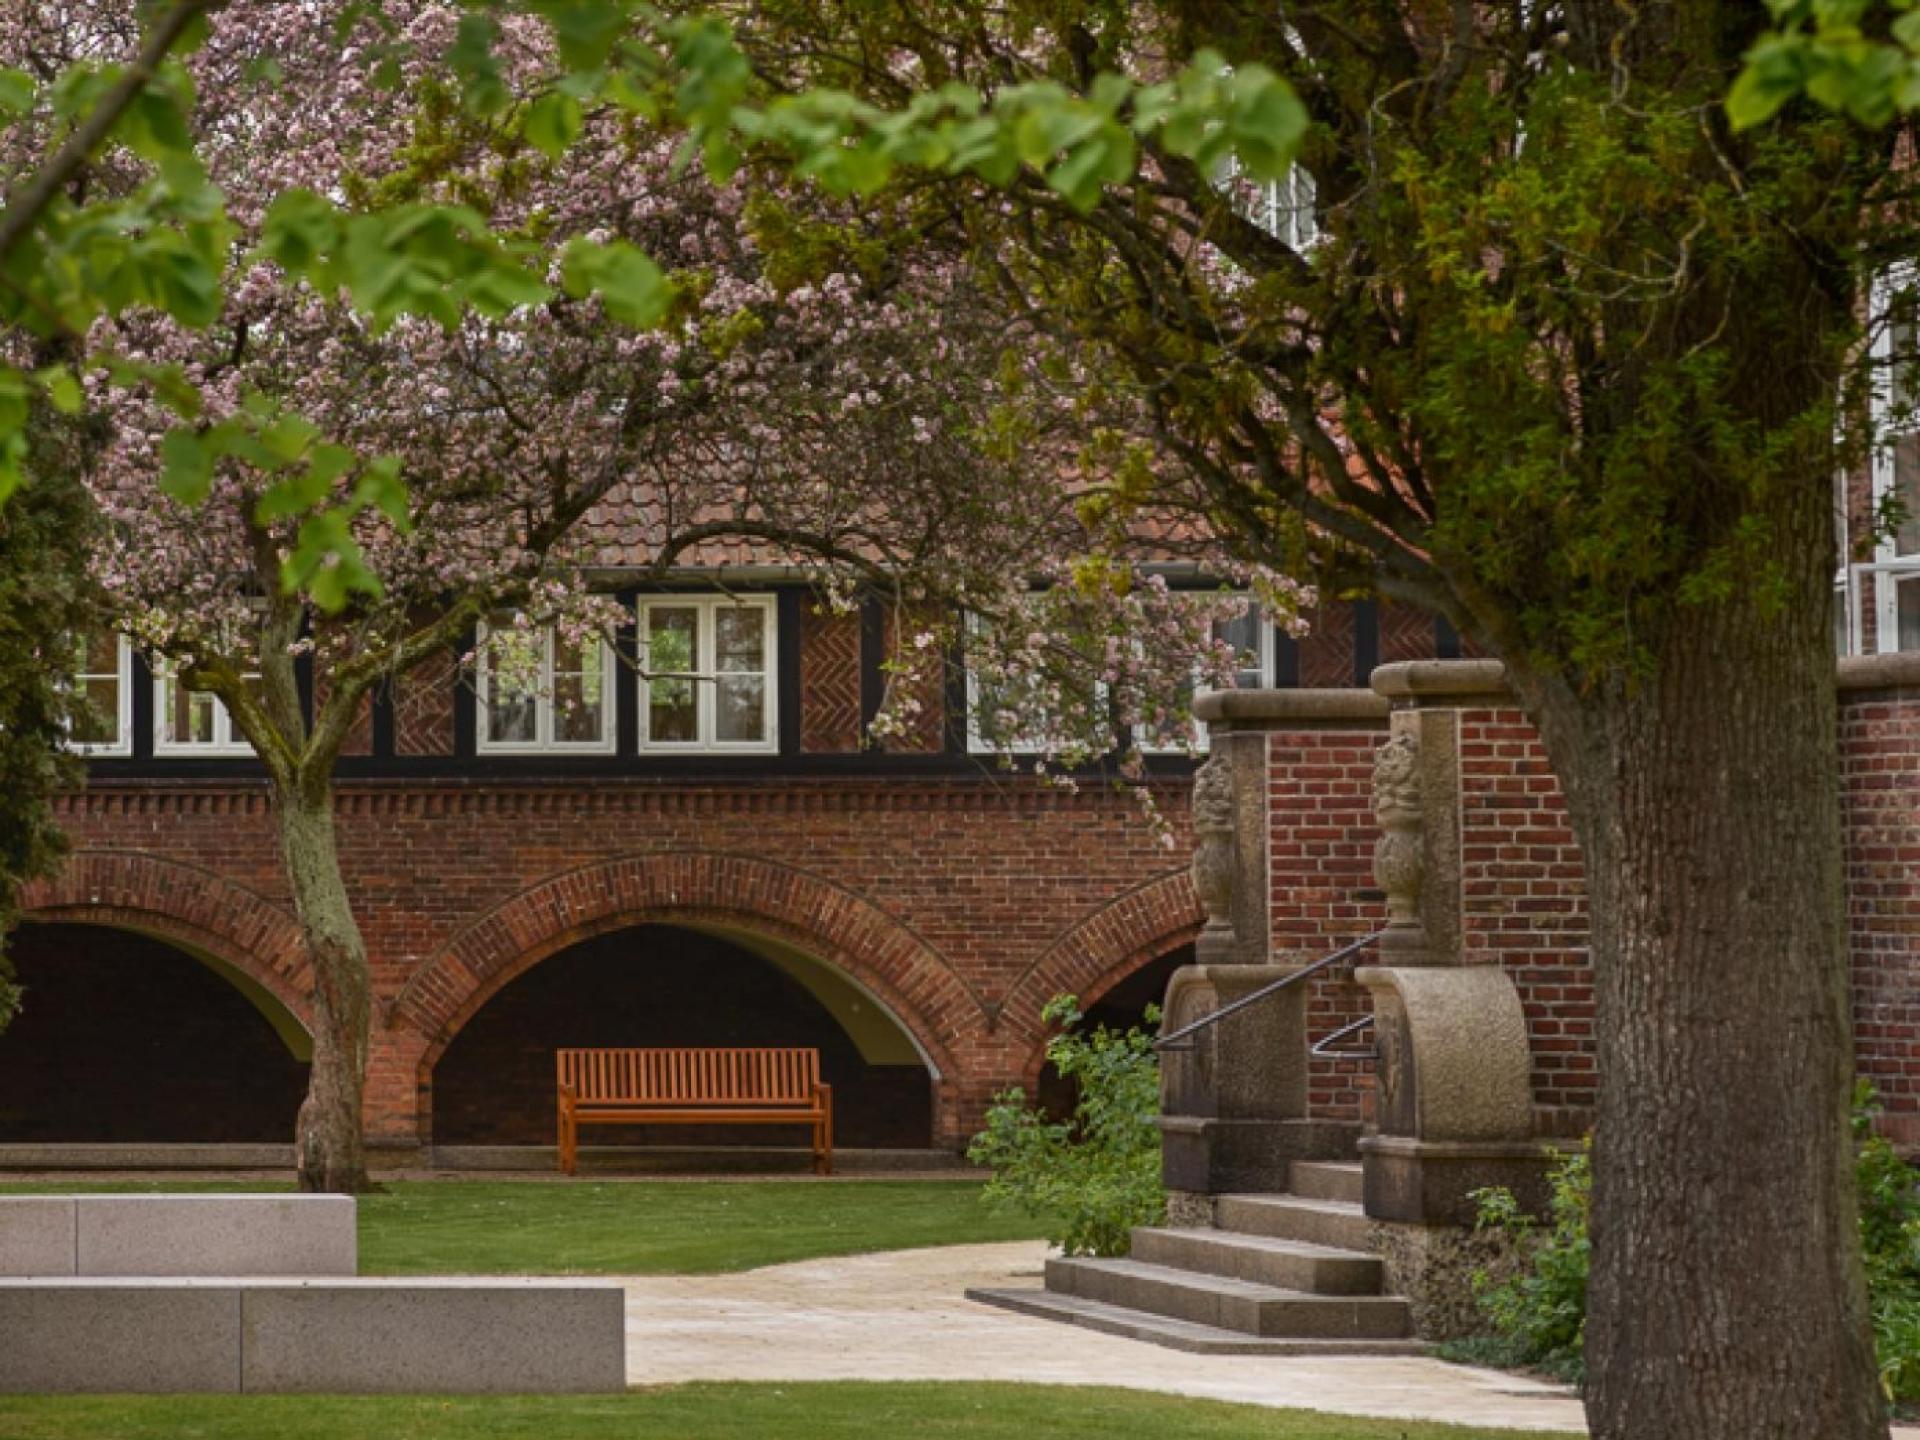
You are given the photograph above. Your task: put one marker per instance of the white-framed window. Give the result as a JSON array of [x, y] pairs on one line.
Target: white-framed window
[[708, 674], [1252, 638], [103, 677], [563, 705], [1895, 568], [1284, 209], [1000, 717], [191, 722]]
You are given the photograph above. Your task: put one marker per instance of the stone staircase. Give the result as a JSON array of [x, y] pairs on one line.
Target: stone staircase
[[1286, 1274]]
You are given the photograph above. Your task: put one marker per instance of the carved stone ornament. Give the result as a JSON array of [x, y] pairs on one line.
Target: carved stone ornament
[[1213, 845], [1398, 862]]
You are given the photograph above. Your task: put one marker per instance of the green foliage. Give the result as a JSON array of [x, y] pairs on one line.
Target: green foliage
[[1539, 1312], [1860, 58], [43, 604], [1890, 1245], [1093, 1177]]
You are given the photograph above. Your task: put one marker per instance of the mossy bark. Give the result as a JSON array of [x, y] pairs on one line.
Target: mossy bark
[[330, 1149]]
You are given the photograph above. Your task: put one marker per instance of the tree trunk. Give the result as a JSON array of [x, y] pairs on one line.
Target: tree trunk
[[330, 1153], [1727, 1300]]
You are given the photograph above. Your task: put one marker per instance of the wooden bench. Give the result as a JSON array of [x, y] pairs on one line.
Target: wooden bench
[[693, 1087]]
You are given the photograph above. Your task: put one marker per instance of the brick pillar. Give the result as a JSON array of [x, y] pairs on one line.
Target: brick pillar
[[1236, 1107], [1455, 1109]]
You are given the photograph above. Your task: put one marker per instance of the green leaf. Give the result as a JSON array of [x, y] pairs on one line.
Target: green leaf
[[1774, 73], [471, 55], [62, 389], [300, 230], [634, 289], [553, 123], [381, 487], [288, 437], [17, 91], [187, 467], [153, 126], [584, 30]]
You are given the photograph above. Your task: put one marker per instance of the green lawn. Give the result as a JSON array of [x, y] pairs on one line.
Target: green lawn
[[638, 1227], [838, 1411]]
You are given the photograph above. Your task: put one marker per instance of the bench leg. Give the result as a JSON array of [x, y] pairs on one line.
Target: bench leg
[[823, 1134], [568, 1146]]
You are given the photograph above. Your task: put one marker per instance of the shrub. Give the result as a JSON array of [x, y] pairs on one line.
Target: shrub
[[1093, 1177], [1538, 1313], [1890, 1245]]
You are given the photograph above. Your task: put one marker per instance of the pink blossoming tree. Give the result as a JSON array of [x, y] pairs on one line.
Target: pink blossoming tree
[[828, 399]]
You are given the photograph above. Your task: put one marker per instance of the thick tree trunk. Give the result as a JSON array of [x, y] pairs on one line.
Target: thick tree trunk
[[1727, 1300], [330, 1153]]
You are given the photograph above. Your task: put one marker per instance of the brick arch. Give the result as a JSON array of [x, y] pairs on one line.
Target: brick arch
[[902, 971], [1105, 947], [131, 890]]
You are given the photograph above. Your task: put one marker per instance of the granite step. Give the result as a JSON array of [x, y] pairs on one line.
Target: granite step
[[1267, 1311], [1326, 1180], [1176, 1334], [1287, 1264], [1336, 1223]]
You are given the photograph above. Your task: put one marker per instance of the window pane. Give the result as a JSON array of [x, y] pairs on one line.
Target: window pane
[[671, 715], [98, 653], [100, 724], [579, 717], [1908, 595], [1906, 487], [739, 640], [512, 719], [190, 716], [742, 712], [673, 639], [1243, 633]]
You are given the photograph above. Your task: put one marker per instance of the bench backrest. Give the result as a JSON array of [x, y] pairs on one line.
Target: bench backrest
[[695, 1077]]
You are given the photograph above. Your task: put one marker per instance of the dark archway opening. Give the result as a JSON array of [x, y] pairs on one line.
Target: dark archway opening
[[125, 1039], [1122, 1007], [662, 985]]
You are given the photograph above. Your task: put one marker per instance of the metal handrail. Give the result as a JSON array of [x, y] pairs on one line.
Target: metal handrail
[[1214, 1017], [1323, 1047]]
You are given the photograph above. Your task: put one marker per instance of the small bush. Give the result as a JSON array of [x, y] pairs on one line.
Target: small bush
[[1539, 1311], [1890, 1245], [1092, 1178]]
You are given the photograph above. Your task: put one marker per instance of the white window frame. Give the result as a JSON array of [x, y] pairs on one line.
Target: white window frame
[[705, 675], [122, 746], [543, 742], [977, 742], [225, 743], [1266, 654], [1887, 565]]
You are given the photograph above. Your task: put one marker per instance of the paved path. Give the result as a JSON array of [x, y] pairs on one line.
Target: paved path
[[901, 1316]]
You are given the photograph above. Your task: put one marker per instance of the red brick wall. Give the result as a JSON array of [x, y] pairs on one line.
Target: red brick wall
[[1523, 903], [829, 679], [1880, 798], [423, 705], [1320, 855], [961, 904], [1326, 651]]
